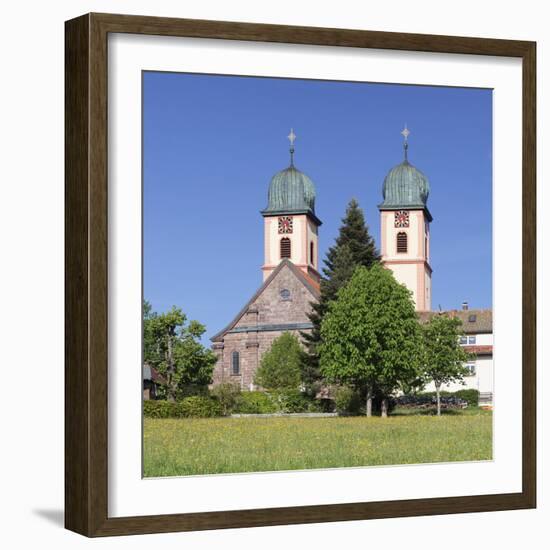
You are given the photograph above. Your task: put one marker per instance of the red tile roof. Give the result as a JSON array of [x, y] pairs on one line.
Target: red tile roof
[[479, 350]]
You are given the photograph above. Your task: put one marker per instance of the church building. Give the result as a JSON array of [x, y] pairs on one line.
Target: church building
[[291, 275], [290, 279]]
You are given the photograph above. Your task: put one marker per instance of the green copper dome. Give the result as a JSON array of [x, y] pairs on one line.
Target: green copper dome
[[290, 191], [405, 187]]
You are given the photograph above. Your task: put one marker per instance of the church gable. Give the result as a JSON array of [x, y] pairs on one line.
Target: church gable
[[285, 300], [282, 303]]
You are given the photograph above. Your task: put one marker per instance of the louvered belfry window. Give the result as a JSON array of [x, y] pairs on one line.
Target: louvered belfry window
[[401, 242], [285, 248]]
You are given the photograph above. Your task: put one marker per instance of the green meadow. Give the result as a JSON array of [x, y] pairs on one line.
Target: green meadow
[[196, 446]]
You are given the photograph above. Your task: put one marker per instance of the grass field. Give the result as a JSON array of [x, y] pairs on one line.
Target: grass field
[[175, 447]]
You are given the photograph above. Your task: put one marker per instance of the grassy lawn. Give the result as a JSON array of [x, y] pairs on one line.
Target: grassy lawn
[[229, 445]]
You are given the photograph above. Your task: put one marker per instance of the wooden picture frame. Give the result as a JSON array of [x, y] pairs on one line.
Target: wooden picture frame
[[86, 283]]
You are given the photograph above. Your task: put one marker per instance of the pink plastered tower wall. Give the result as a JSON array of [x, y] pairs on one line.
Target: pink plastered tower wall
[[304, 241], [411, 268]]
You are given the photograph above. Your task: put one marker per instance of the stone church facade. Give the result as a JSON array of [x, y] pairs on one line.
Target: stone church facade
[[281, 304]]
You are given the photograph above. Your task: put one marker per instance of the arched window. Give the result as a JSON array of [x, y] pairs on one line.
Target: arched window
[[285, 248], [235, 363], [311, 253], [401, 242]]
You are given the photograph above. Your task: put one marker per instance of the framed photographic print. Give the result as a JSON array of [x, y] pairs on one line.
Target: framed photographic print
[[300, 275]]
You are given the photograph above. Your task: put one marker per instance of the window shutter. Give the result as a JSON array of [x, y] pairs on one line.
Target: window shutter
[[285, 248], [401, 242]]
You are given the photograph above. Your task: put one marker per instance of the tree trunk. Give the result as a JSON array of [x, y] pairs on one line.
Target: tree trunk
[[170, 370], [369, 402], [384, 408], [438, 397]]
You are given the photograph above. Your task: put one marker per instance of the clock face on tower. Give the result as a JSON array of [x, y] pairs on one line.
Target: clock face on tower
[[401, 218], [285, 224]]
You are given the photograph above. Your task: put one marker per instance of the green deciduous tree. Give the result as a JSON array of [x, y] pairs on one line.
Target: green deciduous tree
[[370, 335], [172, 346], [354, 246], [444, 358], [280, 366], [227, 395]]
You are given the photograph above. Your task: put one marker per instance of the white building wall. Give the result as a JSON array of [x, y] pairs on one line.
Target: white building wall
[[312, 237], [482, 339], [482, 380], [299, 239]]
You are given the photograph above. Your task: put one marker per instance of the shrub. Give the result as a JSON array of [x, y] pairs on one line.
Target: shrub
[[282, 401], [227, 395], [190, 407], [449, 400], [347, 401], [198, 407], [294, 401], [471, 396], [189, 390], [159, 409], [255, 402]]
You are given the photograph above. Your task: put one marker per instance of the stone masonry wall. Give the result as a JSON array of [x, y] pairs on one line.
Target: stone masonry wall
[[269, 308]]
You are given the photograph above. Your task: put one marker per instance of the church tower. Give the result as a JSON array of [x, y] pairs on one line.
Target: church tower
[[405, 228], [291, 228]]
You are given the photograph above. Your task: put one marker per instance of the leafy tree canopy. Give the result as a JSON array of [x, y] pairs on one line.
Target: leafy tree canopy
[[444, 357], [354, 247], [370, 335], [280, 366], [172, 346]]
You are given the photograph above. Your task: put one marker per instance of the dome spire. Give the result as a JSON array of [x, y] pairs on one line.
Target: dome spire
[[405, 133], [292, 138]]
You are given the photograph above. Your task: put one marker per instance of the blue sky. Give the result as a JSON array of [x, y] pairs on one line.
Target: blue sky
[[212, 143]]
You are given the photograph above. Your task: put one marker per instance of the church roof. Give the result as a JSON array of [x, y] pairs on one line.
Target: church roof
[[405, 186], [311, 285], [290, 192]]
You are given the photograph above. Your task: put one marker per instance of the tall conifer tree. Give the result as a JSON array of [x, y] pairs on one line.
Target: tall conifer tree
[[354, 246]]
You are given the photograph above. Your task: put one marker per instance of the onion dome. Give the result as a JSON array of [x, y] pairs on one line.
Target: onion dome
[[405, 186], [290, 190]]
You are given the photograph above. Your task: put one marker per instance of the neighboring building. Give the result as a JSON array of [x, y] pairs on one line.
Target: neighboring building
[[405, 229], [152, 380], [291, 272], [291, 279], [477, 330]]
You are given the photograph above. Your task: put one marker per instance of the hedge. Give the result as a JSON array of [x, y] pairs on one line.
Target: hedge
[[255, 402], [190, 407], [457, 399], [284, 401], [469, 395]]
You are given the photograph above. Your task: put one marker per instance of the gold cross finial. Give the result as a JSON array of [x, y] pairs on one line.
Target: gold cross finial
[[292, 138], [405, 133]]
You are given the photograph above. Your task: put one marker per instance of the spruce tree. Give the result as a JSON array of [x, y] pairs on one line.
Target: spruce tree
[[354, 247]]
